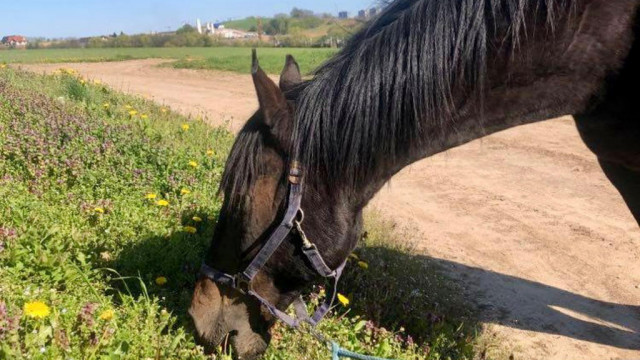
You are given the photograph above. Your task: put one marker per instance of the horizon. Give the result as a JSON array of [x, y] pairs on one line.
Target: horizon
[[78, 18]]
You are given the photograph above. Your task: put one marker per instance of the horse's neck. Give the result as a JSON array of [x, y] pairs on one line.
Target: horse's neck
[[546, 79]]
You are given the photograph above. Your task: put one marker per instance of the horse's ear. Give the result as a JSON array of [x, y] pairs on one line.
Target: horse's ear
[[290, 76], [272, 101]]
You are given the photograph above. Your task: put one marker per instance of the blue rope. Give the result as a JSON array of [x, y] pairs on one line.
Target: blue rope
[[337, 352]]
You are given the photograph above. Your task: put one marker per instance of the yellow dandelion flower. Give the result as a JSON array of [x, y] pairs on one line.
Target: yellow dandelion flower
[[99, 210], [128, 107], [363, 265], [144, 116], [196, 219], [97, 82], [163, 110], [161, 280], [83, 81], [193, 164], [162, 203], [2, 66], [106, 315], [185, 191], [343, 300], [210, 152], [106, 105], [190, 229], [150, 196], [36, 310], [133, 113], [185, 127]]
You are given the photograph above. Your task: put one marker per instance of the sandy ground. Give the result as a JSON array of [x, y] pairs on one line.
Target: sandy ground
[[221, 97], [525, 219]]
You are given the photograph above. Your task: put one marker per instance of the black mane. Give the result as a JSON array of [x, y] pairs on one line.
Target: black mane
[[374, 99], [243, 165], [371, 102]]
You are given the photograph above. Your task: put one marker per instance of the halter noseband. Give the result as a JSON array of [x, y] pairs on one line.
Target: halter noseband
[[292, 221]]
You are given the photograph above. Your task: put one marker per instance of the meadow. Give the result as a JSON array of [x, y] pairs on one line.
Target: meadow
[[107, 205], [236, 59]]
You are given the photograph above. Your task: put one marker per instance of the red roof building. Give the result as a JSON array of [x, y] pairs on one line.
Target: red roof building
[[14, 41]]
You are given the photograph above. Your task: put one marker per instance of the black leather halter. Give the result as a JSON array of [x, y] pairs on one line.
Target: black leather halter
[[292, 221]]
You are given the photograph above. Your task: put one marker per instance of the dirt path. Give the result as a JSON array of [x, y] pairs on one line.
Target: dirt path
[[222, 97], [525, 219]]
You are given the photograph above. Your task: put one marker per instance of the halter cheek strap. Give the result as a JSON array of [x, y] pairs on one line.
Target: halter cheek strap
[[291, 221]]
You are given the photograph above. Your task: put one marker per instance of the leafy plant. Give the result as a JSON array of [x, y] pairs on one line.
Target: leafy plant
[[107, 204]]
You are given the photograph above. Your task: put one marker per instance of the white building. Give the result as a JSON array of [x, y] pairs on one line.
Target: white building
[[208, 28]]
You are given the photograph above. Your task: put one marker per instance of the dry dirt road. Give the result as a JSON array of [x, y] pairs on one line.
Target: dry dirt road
[[524, 218]]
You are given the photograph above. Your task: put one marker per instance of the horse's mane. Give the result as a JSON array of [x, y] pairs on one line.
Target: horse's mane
[[243, 165], [373, 101], [394, 77]]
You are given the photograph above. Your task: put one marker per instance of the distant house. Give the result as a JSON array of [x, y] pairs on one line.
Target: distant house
[[15, 41], [373, 12], [362, 14], [343, 15]]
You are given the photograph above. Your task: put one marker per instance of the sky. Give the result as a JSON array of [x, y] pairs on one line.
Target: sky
[[78, 18]]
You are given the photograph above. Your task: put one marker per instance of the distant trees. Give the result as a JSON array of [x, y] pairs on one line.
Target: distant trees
[[279, 25], [36, 43], [282, 24], [301, 13], [186, 29], [185, 38], [286, 29]]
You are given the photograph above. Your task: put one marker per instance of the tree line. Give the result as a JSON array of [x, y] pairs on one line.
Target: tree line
[[285, 30]]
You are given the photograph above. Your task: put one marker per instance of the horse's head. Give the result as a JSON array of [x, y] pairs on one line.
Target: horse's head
[[255, 188]]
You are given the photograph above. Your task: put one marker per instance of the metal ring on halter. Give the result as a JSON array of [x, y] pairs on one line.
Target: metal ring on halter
[[298, 221]]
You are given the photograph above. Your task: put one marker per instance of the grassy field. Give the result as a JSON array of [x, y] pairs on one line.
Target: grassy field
[[214, 58], [107, 204], [271, 60]]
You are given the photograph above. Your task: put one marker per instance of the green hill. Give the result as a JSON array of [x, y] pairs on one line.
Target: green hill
[[312, 27], [246, 24]]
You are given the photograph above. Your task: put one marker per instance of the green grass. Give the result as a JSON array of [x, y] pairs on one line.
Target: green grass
[[236, 59], [246, 24], [271, 59], [78, 233]]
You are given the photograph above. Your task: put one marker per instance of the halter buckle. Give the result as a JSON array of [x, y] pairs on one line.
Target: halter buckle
[[295, 172], [242, 284]]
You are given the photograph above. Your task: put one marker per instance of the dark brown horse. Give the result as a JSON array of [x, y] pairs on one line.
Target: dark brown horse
[[423, 77]]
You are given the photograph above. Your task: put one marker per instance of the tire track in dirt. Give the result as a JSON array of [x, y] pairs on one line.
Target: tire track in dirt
[[525, 219]]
